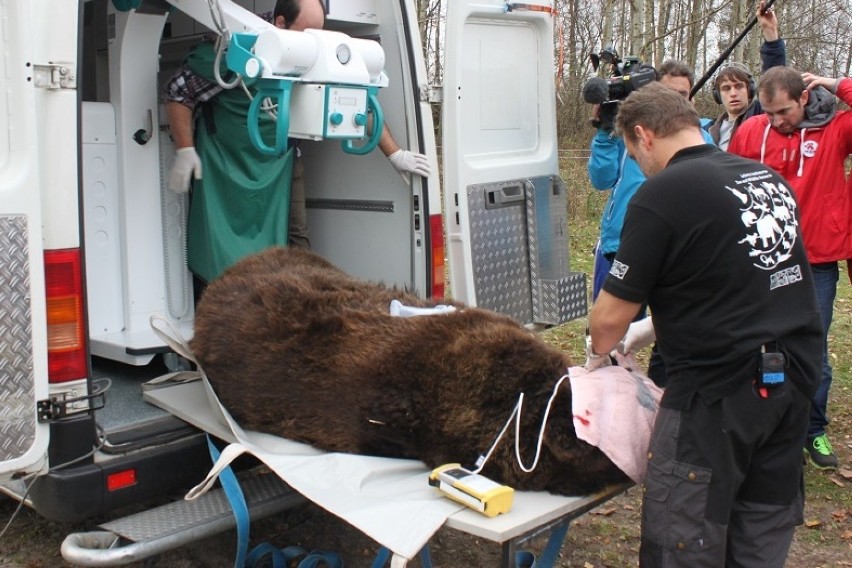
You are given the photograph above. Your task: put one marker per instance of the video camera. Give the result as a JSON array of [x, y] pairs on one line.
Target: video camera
[[627, 76]]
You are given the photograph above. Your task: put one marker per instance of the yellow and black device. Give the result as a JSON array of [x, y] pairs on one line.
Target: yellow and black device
[[471, 489]]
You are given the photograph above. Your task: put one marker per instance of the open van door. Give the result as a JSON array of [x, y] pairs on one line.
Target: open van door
[[506, 206], [23, 343]]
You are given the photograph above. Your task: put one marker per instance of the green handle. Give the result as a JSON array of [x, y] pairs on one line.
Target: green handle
[[281, 93], [378, 126]]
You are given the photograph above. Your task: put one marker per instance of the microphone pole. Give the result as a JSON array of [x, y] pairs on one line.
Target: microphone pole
[[724, 55]]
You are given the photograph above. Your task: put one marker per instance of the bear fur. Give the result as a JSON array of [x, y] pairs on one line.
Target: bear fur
[[295, 347]]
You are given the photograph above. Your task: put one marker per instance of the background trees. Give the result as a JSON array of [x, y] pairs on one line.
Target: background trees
[[818, 35]]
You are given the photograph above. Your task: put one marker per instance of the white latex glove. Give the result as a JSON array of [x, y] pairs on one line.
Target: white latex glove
[[639, 335], [593, 360], [410, 162], [187, 163]]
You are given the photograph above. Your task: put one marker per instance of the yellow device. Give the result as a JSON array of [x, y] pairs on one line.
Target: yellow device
[[471, 489]]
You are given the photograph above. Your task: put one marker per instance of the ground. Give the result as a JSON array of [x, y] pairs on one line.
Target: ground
[[608, 536]]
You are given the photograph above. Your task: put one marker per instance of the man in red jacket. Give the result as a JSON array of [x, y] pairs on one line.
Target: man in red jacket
[[806, 139]]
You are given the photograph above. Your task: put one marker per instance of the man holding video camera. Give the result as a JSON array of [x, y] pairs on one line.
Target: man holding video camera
[[610, 167]]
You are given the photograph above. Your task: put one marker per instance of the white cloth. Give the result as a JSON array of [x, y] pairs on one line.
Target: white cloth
[[399, 309], [614, 409], [389, 500]]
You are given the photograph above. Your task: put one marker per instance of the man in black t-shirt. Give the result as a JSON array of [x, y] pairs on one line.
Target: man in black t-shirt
[[711, 242]]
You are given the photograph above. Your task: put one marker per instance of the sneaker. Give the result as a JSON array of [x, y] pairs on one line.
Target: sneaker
[[820, 453]]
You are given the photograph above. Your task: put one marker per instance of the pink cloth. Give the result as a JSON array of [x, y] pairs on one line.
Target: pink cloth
[[614, 409]]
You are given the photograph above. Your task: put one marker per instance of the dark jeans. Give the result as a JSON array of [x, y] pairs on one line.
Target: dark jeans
[[825, 282]]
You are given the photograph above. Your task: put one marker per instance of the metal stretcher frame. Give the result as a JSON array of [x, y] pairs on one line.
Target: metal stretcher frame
[[532, 514]]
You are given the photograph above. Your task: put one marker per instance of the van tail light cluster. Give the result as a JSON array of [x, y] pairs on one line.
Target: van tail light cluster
[[436, 232], [66, 338]]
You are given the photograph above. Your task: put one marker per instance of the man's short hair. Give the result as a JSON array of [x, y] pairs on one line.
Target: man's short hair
[[290, 10], [659, 109], [781, 80], [735, 72], [676, 68]]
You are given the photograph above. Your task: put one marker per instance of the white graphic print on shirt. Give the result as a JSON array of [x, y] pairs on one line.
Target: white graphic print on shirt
[[768, 213]]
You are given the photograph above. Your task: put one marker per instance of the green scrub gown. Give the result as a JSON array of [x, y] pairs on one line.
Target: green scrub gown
[[241, 204]]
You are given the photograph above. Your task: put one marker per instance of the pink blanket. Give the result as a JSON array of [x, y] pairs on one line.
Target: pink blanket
[[614, 409]]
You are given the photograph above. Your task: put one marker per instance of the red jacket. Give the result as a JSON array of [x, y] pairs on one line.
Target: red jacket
[[812, 159]]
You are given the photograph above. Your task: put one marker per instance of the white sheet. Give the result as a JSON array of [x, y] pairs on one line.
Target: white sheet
[[389, 500]]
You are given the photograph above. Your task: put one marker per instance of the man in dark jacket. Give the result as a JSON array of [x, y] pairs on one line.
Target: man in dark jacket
[[735, 88]]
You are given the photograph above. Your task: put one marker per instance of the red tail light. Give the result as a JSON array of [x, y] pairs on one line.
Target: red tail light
[[66, 340], [438, 267]]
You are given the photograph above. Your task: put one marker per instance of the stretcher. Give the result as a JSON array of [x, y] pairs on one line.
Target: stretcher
[[387, 499]]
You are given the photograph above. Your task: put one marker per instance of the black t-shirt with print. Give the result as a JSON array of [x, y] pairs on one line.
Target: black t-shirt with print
[[712, 244]]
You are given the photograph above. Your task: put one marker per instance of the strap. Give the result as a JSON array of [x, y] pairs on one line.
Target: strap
[[524, 559], [235, 497], [321, 559], [223, 461]]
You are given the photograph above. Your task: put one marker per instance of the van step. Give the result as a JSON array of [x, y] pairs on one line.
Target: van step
[[171, 526]]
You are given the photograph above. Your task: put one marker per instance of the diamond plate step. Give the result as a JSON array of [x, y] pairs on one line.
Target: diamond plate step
[[176, 524]]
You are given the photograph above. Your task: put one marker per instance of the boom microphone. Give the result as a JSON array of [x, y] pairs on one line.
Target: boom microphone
[[595, 91]]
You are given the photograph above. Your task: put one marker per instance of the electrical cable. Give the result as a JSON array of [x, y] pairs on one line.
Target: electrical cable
[[101, 441], [516, 414]]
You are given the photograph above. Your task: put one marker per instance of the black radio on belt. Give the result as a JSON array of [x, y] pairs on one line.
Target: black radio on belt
[[771, 372]]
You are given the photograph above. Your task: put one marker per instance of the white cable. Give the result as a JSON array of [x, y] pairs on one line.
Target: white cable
[[220, 50], [516, 414], [218, 17], [266, 104]]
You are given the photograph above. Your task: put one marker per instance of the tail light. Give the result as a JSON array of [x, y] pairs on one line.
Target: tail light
[[438, 267], [66, 340]]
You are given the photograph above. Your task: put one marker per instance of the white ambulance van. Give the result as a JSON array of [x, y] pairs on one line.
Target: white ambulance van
[[92, 243]]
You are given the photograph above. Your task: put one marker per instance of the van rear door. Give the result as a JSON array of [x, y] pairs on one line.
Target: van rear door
[[506, 207], [23, 343]]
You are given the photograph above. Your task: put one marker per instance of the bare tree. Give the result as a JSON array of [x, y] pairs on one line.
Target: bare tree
[[818, 37]]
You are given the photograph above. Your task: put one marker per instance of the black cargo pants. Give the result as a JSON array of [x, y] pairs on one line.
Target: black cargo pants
[[724, 481]]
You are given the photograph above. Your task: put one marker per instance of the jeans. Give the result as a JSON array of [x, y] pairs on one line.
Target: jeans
[[825, 282], [602, 266]]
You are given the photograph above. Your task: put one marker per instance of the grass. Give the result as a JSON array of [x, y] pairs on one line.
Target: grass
[[612, 539]]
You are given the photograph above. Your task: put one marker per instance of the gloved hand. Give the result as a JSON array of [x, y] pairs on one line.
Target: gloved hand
[[593, 360], [186, 163], [639, 335], [410, 162]]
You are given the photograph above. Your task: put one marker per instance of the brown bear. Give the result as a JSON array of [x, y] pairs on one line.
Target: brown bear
[[295, 347]]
